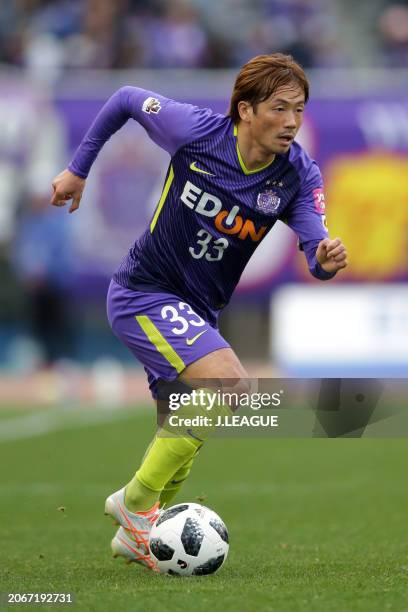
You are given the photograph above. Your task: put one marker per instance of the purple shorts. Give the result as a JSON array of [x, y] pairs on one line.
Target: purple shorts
[[161, 330]]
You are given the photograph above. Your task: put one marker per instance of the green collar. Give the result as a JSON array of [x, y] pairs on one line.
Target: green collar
[[241, 161]]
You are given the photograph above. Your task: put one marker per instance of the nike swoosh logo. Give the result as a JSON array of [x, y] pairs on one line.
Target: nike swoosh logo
[[190, 433], [190, 341], [193, 166], [178, 481]]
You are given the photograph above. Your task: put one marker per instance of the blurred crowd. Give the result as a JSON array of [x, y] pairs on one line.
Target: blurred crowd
[[393, 27], [52, 35]]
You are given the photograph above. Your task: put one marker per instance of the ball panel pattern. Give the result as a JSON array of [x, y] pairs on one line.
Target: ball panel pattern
[[189, 539], [220, 528], [209, 567], [160, 550], [170, 513], [192, 537]]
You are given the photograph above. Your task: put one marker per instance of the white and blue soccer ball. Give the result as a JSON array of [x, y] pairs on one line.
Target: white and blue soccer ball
[[189, 540]]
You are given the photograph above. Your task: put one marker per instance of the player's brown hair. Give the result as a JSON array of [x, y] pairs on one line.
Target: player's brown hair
[[261, 77]]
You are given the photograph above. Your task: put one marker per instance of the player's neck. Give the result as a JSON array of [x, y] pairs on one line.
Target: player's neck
[[253, 155]]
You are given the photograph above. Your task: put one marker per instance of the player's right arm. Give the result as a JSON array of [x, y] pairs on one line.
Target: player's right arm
[[169, 124], [67, 186]]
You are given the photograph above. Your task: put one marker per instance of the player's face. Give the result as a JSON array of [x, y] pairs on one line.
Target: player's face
[[276, 121]]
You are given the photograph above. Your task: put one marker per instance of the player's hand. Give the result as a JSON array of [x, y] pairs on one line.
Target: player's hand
[[331, 254], [67, 186]]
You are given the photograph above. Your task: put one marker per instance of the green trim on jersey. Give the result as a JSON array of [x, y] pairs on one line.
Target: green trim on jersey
[[163, 197], [160, 343], [241, 161]]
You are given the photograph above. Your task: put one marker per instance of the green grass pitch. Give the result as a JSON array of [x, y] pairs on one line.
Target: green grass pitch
[[314, 525]]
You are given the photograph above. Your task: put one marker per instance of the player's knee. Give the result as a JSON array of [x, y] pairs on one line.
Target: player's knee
[[234, 391], [234, 382], [233, 370]]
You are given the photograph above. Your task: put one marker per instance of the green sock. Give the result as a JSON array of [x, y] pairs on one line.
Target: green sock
[[163, 459], [173, 486], [166, 455], [138, 497]]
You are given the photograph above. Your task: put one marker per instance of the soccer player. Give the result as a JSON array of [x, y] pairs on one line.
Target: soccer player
[[230, 179]]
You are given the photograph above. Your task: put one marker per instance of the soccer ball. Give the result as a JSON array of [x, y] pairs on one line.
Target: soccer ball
[[189, 540]]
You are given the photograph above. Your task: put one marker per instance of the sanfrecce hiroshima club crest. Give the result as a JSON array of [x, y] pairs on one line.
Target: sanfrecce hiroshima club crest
[[268, 201]]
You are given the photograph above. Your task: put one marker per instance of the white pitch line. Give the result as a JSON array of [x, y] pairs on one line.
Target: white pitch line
[[39, 424]]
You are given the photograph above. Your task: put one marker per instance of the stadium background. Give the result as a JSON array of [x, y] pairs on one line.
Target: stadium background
[[59, 61]]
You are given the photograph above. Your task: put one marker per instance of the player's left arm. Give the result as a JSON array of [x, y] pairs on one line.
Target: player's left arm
[[306, 216], [331, 255]]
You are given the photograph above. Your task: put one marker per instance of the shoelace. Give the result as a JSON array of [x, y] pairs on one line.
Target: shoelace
[[139, 556], [139, 535]]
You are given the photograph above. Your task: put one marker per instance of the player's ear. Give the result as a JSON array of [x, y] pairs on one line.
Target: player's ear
[[245, 110]]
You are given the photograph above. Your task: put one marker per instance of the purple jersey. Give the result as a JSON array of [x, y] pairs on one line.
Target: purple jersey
[[213, 212]]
